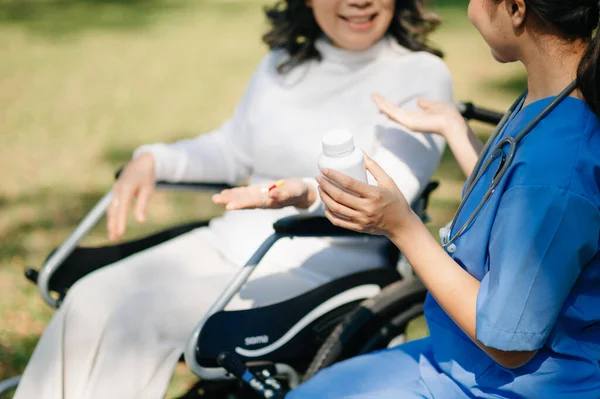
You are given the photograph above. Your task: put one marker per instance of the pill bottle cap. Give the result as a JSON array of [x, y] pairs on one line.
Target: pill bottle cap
[[337, 143]]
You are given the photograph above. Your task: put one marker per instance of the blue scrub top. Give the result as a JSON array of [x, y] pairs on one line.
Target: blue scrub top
[[534, 247]]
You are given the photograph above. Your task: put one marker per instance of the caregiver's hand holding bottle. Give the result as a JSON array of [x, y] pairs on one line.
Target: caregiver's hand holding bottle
[[380, 210]]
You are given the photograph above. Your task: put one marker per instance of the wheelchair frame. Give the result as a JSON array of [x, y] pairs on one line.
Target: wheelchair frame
[[290, 227]]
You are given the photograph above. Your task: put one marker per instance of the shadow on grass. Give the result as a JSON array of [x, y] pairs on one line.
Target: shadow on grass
[[53, 212], [62, 17], [15, 352], [67, 17], [51, 215]]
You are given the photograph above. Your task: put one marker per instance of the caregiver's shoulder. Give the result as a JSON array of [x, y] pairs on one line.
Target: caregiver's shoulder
[[563, 151]]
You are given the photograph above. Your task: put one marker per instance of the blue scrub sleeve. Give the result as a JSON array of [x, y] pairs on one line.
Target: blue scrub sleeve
[[541, 239]]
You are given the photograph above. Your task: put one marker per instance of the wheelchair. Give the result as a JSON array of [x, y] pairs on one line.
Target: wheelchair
[[275, 347]]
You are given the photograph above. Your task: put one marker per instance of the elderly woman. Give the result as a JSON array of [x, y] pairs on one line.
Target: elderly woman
[[121, 329]]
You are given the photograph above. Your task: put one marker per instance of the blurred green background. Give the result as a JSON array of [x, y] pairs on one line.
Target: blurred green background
[[84, 82]]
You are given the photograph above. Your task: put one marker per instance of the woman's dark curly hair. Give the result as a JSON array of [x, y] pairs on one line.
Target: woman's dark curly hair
[[295, 30]]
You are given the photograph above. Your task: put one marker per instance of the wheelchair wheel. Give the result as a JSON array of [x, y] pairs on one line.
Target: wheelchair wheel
[[375, 324]]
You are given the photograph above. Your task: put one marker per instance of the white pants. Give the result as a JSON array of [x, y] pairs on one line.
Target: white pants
[[121, 330]]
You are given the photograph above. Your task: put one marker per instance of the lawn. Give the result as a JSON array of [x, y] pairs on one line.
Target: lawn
[[84, 82]]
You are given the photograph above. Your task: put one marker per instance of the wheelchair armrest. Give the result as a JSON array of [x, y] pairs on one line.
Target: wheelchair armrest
[[185, 186], [311, 226], [319, 226], [162, 185]]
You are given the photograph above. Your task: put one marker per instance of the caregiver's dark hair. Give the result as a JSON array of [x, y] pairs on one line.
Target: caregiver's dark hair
[[575, 19], [295, 30]]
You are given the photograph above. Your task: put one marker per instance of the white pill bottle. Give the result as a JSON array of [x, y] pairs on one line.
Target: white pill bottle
[[339, 153]]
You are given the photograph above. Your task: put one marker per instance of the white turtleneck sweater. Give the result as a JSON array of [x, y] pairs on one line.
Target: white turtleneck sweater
[[276, 133]]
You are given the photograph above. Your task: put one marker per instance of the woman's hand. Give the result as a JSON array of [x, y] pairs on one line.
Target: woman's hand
[[136, 180], [380, 210], [436, 117], [439, 118], [293, 192]]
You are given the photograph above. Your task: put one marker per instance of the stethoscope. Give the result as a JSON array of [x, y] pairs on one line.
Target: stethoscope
[[505, 162]]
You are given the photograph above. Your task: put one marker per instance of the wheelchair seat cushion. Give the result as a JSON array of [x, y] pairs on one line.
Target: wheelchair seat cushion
[[290, 331]]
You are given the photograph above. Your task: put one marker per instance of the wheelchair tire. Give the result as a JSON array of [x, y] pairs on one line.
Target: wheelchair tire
[[373, 325]]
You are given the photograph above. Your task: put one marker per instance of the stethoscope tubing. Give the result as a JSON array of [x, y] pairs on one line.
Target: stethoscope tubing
[[478, 170]]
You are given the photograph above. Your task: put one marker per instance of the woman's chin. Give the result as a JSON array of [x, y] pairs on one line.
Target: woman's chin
[[358, 41], [503, 58], [499, 58]]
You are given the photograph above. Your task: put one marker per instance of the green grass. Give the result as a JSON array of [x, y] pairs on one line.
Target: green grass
[[83, 82]]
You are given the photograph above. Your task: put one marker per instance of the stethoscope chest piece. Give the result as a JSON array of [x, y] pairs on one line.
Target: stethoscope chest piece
[[445, 238]]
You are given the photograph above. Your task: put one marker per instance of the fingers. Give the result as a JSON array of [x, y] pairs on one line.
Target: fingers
[[117, 211], [110, 221], [342, 222], [137, 179], [377, 171], [222, 198], [244, 203], [379, 100], [279, 195], [347, 183], [122, 211], [228, 196], [269, 195], [436, 107], [337, 194], [429, 119], [256, 196], [111, 217], [336, 207], [425, 104], [239, 198], [141, 204], [388, 108]]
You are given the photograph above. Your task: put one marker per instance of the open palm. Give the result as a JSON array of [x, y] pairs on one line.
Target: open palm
[[434, 116]]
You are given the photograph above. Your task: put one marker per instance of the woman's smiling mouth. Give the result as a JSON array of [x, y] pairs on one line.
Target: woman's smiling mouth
[[359, 22]]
